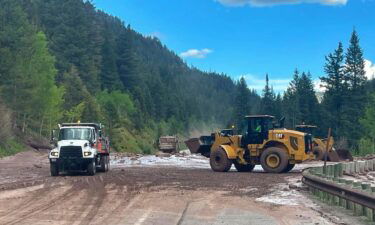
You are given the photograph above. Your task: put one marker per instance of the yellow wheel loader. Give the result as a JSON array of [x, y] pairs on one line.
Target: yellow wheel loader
[[277, 150], [320, 146]]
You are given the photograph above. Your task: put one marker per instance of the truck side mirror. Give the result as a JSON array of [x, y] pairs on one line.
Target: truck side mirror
[[53, 139]]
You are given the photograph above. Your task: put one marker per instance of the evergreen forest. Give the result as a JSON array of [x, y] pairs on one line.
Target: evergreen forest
[[66, 61]]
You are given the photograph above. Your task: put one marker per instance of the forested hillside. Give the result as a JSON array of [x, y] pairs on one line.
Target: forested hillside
[[64, 61]]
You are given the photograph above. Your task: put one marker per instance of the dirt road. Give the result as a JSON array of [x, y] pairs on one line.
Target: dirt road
[[149, 195]]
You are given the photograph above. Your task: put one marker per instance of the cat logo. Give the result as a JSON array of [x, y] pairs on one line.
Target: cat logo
[[280, 136]]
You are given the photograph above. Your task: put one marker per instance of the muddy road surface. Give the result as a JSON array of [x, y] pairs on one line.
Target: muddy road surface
[[152, 194]]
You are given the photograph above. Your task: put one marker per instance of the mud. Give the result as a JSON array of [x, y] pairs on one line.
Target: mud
[[145, 195]]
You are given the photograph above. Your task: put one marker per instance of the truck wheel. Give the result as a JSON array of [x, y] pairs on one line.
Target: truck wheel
[[103, 163], [319, 153], [289, 168], [274, 160], [54, 169], [219, 161], [91, 168], [243, 168], [107, 163]]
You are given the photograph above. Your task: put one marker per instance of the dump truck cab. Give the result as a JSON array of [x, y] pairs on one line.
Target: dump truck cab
[[79, 147]]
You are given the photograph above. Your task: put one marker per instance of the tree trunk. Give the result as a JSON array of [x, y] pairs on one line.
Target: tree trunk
[[41, 127]]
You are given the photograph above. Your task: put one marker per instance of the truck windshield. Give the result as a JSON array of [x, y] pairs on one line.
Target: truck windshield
[[75, 134]]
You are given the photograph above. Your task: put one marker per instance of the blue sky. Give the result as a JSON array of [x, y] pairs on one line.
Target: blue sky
[[252, 37]]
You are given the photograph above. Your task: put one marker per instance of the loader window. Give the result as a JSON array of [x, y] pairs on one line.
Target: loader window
[[75, 134], [257, 131]]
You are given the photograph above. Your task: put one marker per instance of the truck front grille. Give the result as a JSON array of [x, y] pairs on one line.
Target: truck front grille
[[70, 152]]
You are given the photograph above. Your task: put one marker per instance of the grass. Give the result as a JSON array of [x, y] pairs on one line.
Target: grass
[[10, 147]]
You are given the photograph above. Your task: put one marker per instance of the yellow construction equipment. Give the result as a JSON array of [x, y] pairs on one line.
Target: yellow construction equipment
[[319, 146], [277, 150]]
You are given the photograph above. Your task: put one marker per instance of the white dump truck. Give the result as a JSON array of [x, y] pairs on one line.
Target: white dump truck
[[79, 147]]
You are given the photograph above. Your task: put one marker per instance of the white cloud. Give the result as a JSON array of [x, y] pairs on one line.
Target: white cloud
[[318, 86], [257, 83], [196, 53], [370, 69], [261, 3]]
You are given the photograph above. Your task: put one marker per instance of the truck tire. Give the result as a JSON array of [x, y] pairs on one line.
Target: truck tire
[[103, 163], [289, 168], [219, 161], [243, 168], [107, 163], [274, 160], [318, 152], [54, 169], [91, 168]]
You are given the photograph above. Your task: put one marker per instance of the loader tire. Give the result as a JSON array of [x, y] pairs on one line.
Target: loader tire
[[219, 161], [243, 168], [274, 160], [91, 168], [289, 168], [54, 169], [319, 153]]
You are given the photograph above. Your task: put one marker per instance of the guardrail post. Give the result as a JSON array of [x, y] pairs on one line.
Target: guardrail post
[[368, 212], [362, 167], [358, 209], [351, 168], [356, 166], [349, 204], [373, 192], [342, 201], [336, 199]]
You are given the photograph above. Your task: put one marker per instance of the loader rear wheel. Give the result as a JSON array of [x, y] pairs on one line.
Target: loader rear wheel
[[91, 168], [289, 168], [54, 169], [274, 160], [219, 161], [318, 152], [243, 168]]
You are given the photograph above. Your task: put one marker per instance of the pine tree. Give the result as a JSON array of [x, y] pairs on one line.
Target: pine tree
[[127, 62], [355, 64], [356, 99], [290, 102], [242, 105], [336, 90], [268, 99]]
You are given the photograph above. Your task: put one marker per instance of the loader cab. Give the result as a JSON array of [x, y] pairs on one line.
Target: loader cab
[[257, 129]]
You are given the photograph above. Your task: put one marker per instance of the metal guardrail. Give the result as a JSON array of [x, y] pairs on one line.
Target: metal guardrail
[[330, 186], [356, 196]]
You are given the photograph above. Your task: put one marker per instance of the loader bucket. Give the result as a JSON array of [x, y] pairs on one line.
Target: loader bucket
[[333, 156], [344, 155], [200, 145]]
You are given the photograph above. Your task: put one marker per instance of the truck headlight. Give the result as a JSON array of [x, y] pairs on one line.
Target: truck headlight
[[87, 153], [54, 154]]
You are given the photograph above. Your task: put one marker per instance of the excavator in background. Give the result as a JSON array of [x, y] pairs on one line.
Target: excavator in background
[[320, 146], [276, 149]]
